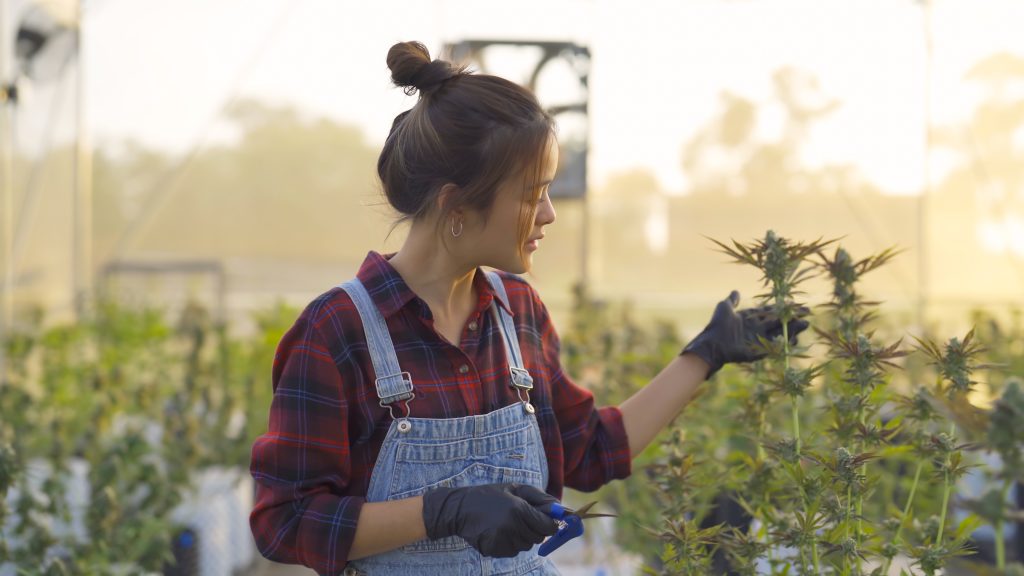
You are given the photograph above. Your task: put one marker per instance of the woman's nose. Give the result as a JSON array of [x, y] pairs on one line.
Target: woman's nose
[[546, 213]]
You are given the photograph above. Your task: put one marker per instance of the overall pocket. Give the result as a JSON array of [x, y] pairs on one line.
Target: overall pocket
[[474, 475], [418, 465]]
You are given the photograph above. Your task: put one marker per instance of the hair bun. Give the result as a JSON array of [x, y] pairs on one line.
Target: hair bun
[[412, 69]]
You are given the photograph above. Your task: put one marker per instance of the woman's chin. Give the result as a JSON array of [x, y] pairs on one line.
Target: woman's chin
[[519, 266]]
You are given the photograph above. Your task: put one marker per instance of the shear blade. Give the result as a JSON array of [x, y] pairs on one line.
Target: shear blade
[[584, 512]]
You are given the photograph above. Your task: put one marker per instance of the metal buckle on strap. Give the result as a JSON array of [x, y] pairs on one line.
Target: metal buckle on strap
[[526, 401], [406, 379], [523, 383], [407, 397], [521, 379]]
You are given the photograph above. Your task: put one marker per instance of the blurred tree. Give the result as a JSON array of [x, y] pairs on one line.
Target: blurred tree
[[727, 155], [290, 188], [741, 179], [630, 219], [977, 210], [121, 177]]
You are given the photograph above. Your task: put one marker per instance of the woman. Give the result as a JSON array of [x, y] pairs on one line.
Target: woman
[[421, 421]]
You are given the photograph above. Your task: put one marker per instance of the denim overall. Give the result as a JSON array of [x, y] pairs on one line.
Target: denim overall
[[419, 453]]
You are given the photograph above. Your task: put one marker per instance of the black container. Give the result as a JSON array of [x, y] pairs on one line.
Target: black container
[[186, 554]]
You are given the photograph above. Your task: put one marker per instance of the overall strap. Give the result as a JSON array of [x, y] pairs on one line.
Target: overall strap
[[392, 383], [521, 379]]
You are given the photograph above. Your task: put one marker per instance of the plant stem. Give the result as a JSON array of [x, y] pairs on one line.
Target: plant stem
[[906, 511], [762, 534], [796, 409], [910, 501], [846, 523], [1000, 547], [945, 492], [1000, 542], [796, 435], [760, 434], [796, 426], [860, 497], [945, 504]]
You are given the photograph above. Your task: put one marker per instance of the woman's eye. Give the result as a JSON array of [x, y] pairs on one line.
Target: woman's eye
[[539, 199]]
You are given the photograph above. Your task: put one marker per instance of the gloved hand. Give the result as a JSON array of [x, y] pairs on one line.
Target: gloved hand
[[498, 520], [731, 336]]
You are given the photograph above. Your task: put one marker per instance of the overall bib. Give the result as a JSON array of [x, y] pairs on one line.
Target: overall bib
[[503, 446]]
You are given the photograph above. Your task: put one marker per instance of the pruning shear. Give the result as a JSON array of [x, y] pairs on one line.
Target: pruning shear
[[570, 525]]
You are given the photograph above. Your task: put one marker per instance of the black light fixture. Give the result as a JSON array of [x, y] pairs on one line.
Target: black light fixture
[[43, 40], [28, 43]]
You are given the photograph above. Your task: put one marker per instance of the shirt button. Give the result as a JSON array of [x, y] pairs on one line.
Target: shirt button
[[472, 325], [463, 369]]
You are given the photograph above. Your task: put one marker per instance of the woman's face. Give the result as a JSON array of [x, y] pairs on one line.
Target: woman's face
[[495, 241]]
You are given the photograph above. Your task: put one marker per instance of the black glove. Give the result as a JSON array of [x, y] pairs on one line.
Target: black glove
[[498, 520], [731, 336]]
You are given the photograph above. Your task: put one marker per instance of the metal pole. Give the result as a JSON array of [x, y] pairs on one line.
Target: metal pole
[[7, 146], [584, 245], [922, 203], [81, 248]]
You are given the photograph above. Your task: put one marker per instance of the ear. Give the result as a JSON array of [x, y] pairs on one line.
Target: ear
[[444, 198]]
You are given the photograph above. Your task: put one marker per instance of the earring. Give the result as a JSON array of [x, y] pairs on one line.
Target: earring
[[454, 233]]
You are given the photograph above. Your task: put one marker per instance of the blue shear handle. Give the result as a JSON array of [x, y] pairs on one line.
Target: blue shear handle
[[573, 528], [557, 511]]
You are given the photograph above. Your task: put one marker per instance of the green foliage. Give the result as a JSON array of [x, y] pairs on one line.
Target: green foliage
[[613, 355], [142, 404], [1006, 429], [833, 495]]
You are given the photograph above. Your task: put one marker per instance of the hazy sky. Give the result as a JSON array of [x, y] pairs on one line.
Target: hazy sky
[[160, 71]]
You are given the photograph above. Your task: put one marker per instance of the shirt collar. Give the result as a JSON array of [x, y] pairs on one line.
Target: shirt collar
[[390, 293]]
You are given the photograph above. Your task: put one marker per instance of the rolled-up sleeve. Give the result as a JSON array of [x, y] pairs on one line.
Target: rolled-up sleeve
[[302, 465], [594, 442]]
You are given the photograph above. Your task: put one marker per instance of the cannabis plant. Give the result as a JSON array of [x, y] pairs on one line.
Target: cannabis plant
[[819, 456]]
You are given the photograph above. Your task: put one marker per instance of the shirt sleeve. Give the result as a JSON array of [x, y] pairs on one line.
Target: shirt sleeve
[[302, 465], [594, 441]]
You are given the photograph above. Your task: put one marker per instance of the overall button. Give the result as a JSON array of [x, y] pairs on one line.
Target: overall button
[[463, 369], [473, 325]]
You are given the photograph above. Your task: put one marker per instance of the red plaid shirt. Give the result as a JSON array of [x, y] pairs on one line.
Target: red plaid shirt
[[312, 468]]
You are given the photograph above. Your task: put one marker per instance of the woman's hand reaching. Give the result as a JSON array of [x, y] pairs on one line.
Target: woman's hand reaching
[[732, 335]]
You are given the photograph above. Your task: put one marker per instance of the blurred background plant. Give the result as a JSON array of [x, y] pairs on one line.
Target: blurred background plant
[[107, 424]]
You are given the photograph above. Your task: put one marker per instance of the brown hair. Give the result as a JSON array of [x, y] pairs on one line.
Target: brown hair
[[471, 130]]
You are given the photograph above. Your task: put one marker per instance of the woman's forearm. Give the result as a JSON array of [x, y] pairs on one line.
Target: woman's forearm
[[648, 411], [384, 526]]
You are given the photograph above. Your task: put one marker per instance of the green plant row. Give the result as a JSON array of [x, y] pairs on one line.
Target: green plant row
[[135, 404]]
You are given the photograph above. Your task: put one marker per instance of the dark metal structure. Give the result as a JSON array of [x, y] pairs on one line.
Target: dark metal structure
[[572, 176]]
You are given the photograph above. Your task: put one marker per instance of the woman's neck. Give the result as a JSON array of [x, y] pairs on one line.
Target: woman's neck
[[435, 275]]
